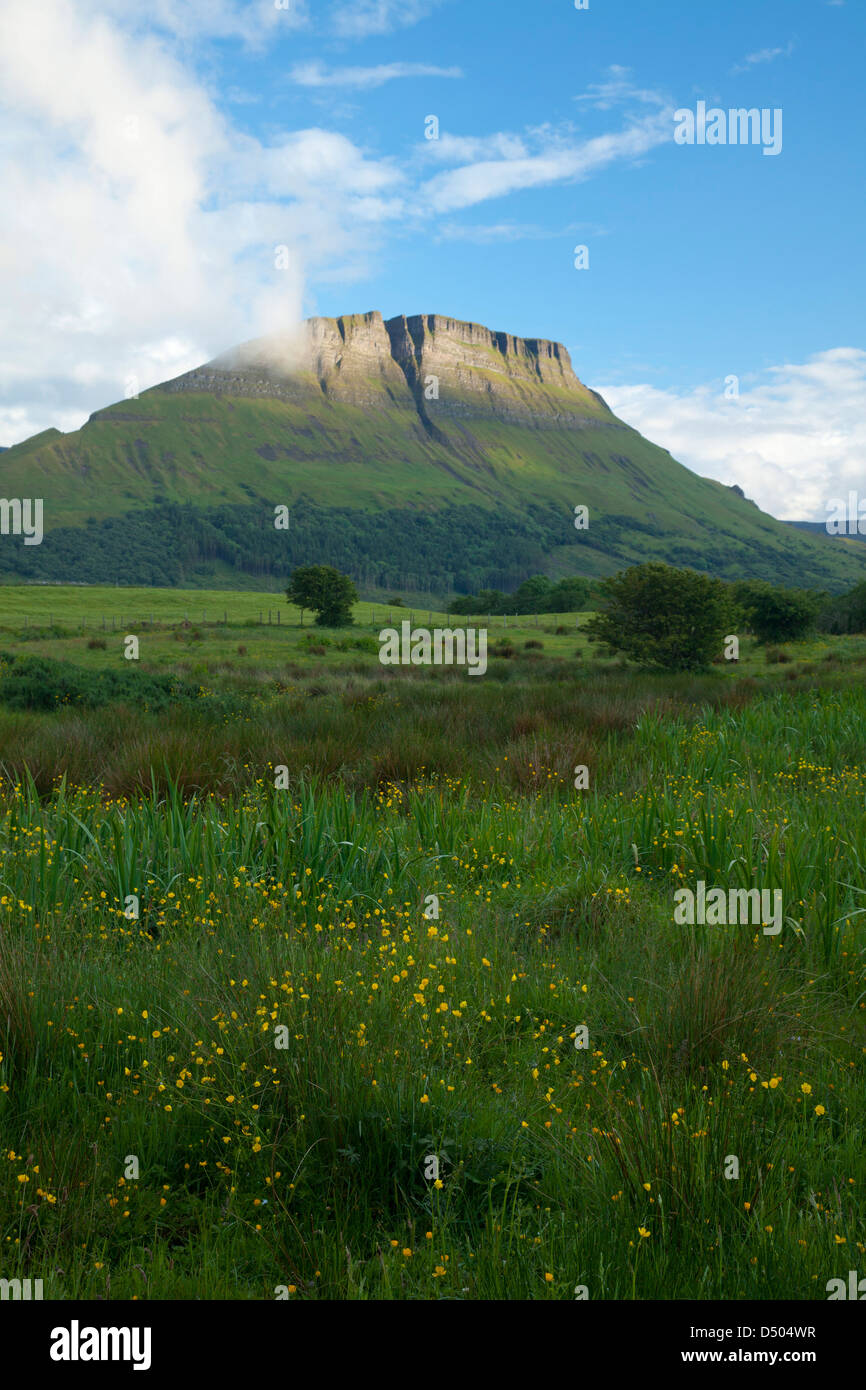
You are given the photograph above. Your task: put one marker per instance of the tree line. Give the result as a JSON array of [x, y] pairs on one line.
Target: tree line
[[654, 613]]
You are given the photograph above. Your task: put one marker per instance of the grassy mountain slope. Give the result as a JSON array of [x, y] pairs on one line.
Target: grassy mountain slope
[[423, 450]]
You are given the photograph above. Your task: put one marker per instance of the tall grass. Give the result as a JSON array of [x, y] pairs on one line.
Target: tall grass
[[298, 917]]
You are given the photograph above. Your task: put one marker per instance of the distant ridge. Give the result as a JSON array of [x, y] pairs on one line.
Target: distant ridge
[[819, 528]]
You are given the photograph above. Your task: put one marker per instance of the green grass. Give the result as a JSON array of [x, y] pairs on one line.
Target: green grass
[[261, 909]]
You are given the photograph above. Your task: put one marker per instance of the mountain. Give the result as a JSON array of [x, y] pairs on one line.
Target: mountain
[[818, 528], [420, 453]]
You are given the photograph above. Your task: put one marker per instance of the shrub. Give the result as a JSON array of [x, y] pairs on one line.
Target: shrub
[[776, 615], [662, 616], [38, 683]]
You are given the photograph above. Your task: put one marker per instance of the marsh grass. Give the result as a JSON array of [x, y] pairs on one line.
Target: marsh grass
[[408, 1035]]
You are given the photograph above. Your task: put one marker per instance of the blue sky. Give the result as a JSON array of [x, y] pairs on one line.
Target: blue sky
[[156, 156], [702, 261]]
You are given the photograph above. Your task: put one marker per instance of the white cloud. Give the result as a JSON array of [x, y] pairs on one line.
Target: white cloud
[[486, 235], [559, 162], [309, 164], [140, 226], [358, 19], [794, 438], [463, 149], [617, 90], [764, 55], [254, 22], [315, 75]]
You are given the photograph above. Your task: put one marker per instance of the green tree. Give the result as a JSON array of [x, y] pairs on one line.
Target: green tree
[[533, 596], [845, 612], [326, 592], [463, 605], [661, 616], [775, 615], [569, 595]]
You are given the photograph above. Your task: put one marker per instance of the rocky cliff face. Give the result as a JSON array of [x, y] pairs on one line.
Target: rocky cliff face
[[437, 366]]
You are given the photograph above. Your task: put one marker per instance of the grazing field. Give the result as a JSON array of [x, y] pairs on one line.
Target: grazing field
[[247, 1015]]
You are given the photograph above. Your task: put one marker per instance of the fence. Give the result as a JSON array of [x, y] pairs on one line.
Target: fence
[[274, 619]]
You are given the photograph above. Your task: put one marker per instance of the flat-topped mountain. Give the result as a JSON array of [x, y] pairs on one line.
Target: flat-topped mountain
[[422, 453], [358, 357]]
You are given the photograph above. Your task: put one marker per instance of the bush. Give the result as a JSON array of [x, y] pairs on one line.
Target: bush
[[662, 616], [775, 615], [846, 612], [37, 683]]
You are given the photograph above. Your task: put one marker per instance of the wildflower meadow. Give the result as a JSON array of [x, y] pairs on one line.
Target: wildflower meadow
[[349, 985]]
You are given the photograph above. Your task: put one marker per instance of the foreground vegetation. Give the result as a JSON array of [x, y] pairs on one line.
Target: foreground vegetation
[[248, 990]]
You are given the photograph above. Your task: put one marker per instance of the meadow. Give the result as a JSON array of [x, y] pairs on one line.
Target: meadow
[[245, 1024]]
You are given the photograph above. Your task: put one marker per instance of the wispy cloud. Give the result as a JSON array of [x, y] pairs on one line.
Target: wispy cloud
[[487, 235], [254, 22], [358, 19], [794, 438], [764, 55], [619, 90], [465, 149], [315, 75], [561, 160]]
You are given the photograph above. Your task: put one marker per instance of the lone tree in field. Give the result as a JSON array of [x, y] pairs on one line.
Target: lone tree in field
[[326, 592], [662, 616]]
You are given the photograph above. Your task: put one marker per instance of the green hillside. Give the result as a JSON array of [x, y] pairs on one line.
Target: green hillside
[[468, 484]]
